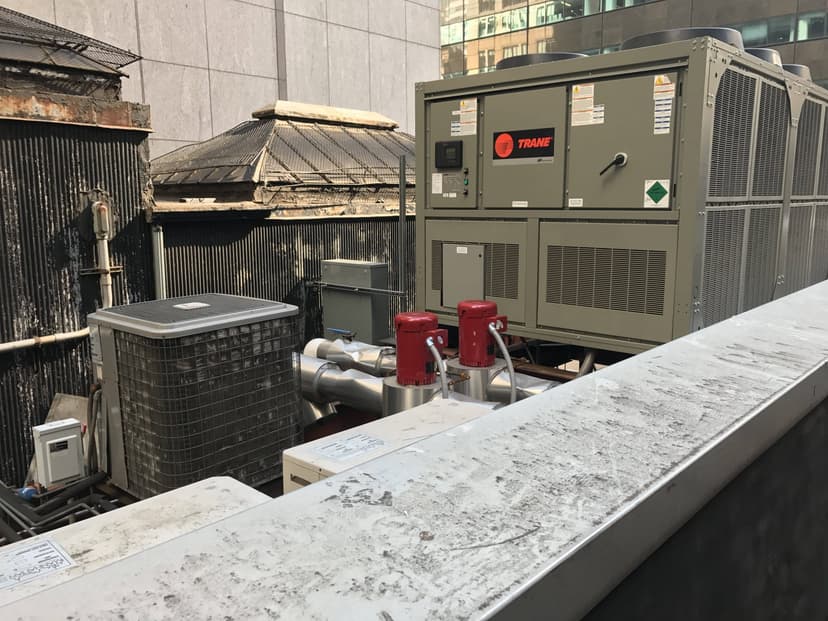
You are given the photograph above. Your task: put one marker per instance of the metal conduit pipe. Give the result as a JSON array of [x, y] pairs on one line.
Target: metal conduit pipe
[[493, 330], [438, 360], [323, 381], [588, 364], [38, 341], [378, 361]]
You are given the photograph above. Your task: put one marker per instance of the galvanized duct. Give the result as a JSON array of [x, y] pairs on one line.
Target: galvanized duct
[[278, 259], [49, 174]]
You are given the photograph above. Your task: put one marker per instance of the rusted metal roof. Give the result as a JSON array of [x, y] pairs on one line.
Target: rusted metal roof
[[291, 152]]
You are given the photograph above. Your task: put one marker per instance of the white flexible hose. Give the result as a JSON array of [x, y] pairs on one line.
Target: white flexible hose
[[439, 360], [505, 351]]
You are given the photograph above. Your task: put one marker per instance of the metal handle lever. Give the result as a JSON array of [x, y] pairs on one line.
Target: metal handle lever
[[619, 160]]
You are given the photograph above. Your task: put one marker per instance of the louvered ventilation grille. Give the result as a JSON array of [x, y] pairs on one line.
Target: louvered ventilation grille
[[436, 265], [616, 279], [819, 262], [723, 238], [807, 143], [732, 123], [822, 182], [771, 141], [502, 268], [799, 230], [760, 268]]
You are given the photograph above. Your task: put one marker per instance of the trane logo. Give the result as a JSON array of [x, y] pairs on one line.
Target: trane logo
[[533, 143], [537, 144]]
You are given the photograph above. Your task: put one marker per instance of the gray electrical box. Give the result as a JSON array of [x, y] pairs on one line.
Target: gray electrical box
[[625, 199], [349, 311]]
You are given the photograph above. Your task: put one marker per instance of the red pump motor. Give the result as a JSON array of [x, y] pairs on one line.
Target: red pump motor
[[477, 347], [415, 363]]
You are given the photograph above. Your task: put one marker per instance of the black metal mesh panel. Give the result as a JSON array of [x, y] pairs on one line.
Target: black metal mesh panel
[[436, 265], [797, 274], [723, 239], [502, 270], [760, 261], [732, 126], [224, 402], [616, 279], [771, 142], [807, 143], [819, 256]]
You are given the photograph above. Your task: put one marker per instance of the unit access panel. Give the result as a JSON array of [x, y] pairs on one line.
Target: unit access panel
[[451, 158], [622, 142], [524, 145]]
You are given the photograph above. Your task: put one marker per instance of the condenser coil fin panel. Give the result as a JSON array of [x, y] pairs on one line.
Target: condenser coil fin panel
[[760, 256], [771, 142], [463, 273], [807, 145], [632, 122], [525, 169], [732, 132], [797, 273], [819, 260], [723, 251], [452, 122], [504, 263], [613, 279]]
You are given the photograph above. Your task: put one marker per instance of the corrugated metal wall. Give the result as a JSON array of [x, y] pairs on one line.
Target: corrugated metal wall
[[48, 175], [276, 259]]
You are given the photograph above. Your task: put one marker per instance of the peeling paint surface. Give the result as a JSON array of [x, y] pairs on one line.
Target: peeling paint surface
[[452, 525]]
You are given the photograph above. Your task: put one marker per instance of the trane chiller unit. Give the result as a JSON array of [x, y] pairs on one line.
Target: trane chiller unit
[[619, 201], [195, 387]]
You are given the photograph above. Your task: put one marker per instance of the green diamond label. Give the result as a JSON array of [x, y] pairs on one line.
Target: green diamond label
[[656, 193]]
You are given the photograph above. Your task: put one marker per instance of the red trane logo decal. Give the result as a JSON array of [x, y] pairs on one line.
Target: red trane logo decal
[[534, 143], [504, 145]]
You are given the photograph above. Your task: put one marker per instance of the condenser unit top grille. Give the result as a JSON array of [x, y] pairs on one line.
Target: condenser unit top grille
[[187, 315]]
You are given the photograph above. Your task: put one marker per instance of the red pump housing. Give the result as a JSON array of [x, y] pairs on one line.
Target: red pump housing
[[477, 347], [415, 364]]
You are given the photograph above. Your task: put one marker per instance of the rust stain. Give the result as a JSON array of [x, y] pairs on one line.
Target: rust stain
[[74, 110]]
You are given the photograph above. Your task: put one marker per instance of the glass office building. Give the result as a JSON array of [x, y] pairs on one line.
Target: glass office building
[[476, 34]]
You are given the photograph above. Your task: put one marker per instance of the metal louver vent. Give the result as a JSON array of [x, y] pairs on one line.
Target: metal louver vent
[[723, 239], [618, 279], [771, 139], [822, 182], [807, 143], [799, 251], [819, 259], [732, 123], [436, 265], [502, 270], [760, 261]]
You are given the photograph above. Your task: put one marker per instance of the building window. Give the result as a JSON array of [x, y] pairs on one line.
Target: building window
[[514, 50], [560, 10], [485, 60], [780, 29], [611, 5], [451, 34], [810, 26], [755, 34]]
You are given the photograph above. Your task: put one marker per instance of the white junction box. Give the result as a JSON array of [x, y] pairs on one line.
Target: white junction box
[[58, 451], [319, 459]]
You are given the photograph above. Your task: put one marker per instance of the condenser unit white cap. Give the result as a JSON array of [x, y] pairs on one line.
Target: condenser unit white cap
[[58, 451]]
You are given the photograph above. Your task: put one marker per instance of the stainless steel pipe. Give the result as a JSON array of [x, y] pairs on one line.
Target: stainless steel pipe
[[378, 361], [323, 381]]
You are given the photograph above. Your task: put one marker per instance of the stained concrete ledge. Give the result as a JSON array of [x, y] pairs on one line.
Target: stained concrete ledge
[[536, 510]]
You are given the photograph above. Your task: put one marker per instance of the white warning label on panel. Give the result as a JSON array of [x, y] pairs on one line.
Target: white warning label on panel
[[657, 193], [520, 204], [663, 87], [341, 450], [436, 183], [576, 202], [662, 116], [30, 561], [462, 250], [584, 110], [464, 119]]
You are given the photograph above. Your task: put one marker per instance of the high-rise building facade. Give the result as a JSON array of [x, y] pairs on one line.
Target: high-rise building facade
[[476, 34]]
